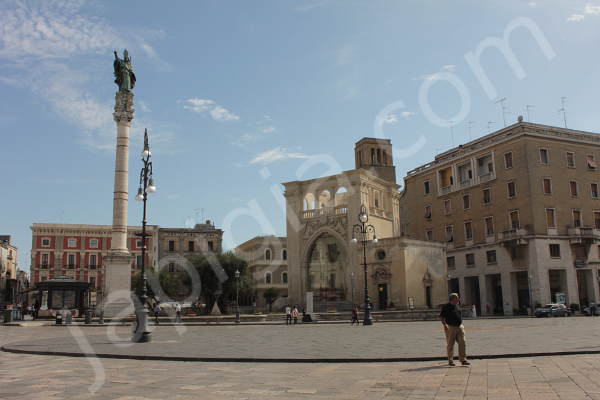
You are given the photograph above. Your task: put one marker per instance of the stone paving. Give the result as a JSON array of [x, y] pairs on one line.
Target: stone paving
[[574, 377], [400, 340]]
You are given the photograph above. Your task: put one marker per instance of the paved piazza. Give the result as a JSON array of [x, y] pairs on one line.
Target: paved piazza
[[24, 376]]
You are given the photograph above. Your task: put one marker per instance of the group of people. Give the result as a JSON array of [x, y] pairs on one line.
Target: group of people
[[291, 313], [157, 310]]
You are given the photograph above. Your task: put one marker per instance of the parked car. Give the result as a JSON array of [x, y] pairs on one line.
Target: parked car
[[552, 310], [591, 309]]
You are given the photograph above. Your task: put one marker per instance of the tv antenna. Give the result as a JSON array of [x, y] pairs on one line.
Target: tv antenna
[[451, 132], [527, 108], [563, 110], [489, 126], [469, 125], [504, 108]]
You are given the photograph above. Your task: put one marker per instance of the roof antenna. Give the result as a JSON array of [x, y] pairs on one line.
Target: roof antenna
[[469, 125], [452, 132], [489, 126], [504, 109], [527, 108], [563, 110]]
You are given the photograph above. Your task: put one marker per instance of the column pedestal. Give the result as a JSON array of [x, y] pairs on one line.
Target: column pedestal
[[117, 280]]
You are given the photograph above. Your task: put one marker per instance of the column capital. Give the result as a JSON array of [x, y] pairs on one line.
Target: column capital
[[124, 111]]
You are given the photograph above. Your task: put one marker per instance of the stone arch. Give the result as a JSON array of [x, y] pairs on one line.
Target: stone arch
[[309, 202], [341, 196], [306, 253]]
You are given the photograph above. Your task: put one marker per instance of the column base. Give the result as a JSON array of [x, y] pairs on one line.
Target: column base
[[117, 283]]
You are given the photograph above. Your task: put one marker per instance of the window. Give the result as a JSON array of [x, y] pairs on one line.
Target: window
[[93, 243], [380, 254], [447, 206], [268, 278], [284, 254], [71, 242], [93, 281], [449, 233], [451, 262], [470, 259], [573, 188], [210, 245], [489, 226], [429, 234], [427, 187], [45, 258], [597, 219], [594, 190], [284, 278], [514, 219], [138, 261], [508, 160], [191, 245], [555, 250], [45, 242], [138, 244], [491, 256], [512, 189], [570, 159], [71, 260], [267, 254], [93, 261], [171, 267], [577, 218], [171, 245], [487, 196], [547, 185], [428, 212], [466, 201], [544, 159], [591, 162], [550, 218], [468, 230]]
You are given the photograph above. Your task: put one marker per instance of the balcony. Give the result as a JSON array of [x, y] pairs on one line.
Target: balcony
[[514, 237], [318, 212], [477, 180], [584, 235]]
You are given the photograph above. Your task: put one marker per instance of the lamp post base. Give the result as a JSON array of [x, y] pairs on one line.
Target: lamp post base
[[141, 333]]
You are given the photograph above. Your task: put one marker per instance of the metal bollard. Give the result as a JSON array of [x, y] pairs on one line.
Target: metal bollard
[[58, 319]]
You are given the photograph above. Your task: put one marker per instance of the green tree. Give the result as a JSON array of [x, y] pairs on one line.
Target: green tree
[[270, 296], [208, 266]]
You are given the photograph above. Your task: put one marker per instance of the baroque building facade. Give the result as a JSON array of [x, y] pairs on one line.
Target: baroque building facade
[[8, 271], [322, 258], [519, 213]]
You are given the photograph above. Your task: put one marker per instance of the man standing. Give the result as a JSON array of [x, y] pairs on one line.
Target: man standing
[[455, 331], [288, 315]]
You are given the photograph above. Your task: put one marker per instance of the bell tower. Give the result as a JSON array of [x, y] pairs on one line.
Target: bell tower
[[375, 155]]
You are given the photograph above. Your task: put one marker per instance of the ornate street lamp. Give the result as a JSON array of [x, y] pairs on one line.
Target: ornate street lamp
[[361, 232], [141, 334], [237, 296]]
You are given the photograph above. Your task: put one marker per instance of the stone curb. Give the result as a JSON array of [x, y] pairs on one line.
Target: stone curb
[[8, 349]]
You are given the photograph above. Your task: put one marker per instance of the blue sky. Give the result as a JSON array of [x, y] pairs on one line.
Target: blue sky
[[240, 96]]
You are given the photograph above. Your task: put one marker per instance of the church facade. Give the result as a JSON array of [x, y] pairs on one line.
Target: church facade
[[324, 260]]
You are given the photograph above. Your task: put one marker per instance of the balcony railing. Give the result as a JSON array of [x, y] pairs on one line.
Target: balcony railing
[[584, 234], [467, 183], [514, 235], [317, 212]]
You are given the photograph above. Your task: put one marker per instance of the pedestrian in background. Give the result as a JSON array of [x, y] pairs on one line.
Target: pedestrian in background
[[295, 314], [177, 313], [451, 317], [288, 315], [156, 313], [355, 315]]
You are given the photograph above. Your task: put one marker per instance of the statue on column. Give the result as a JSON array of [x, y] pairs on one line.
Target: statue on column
[[124, 76]]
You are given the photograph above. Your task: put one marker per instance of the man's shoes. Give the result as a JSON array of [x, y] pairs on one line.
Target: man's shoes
[[451, 363], [465, 362]]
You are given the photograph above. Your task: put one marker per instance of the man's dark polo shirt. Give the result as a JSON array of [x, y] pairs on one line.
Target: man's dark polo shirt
[[451, 314]]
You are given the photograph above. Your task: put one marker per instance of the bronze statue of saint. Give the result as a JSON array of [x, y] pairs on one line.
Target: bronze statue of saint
[[124, 76]]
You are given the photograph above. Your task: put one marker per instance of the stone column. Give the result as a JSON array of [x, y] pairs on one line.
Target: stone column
[[506, 280], [117, 301]]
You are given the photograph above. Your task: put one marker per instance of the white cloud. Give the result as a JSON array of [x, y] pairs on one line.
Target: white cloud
[[345, 55], [407, 114], [449, 67], [276, 154], [576, 18], [390, 119], [592, 9], [217, 112], [35, 40], [244, 140], [268, 129], [430, 77]]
